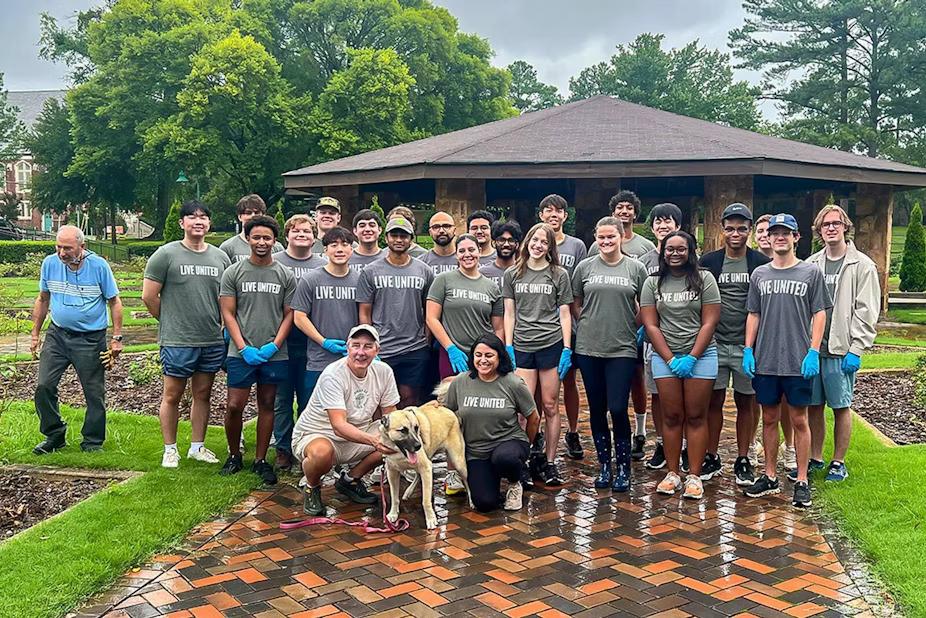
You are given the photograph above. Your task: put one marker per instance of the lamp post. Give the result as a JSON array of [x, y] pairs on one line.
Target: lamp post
[[182, 180]]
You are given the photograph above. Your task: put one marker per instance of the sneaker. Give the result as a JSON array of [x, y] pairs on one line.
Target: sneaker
[[202, 454], [241, 445], [539, 443], [694, 490], [636, 452], [670, 484], [763, 487], [410, 476], [658, 460], [605, 476], [265, 471], [792, 474], [801, 495], [573, 446], [837, 471], [50, 445], [283, 462], [685, 467], [376, 476], [312, 501], [815, 464], [755, 450], [527, 481], [711, 467], [170, 459], [789, 456], [355, 491], [551, 475], [453, 484], [514, 498], [233, 465], [743, 471], [537, 464]]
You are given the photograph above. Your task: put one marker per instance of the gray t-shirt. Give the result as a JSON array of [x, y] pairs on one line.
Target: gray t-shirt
[[786, 300], [238, 249], [538, 295], [635, 247], [467, 306], [358, 261], [607, 325], [734, 287], [679, 308], [331, 304], [397, 294], [571, 252], [300, 267], [440, 263], [831, 270], [488, 259], [416, 250], [650, 261], [190, 280], [261, 292], [488, 411], [493, 273]]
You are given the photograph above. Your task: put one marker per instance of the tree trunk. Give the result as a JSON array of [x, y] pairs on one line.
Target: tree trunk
[[162, 205], [112, 222]]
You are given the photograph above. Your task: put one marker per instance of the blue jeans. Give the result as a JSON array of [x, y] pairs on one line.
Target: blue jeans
[[293, 387]]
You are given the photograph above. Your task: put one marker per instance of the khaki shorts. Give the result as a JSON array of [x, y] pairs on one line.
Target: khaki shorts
[[730, 363], [648, 369], [345, 453]]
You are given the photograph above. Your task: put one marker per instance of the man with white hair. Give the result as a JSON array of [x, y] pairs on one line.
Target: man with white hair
[[75, 285]]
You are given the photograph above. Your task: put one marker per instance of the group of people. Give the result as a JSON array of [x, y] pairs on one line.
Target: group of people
[[348, 332]]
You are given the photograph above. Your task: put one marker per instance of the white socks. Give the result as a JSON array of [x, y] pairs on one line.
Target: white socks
[[170, 447], [195, 446]]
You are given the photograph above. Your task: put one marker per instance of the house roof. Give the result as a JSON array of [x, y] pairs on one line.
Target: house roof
[[31, 102], [602, 137]]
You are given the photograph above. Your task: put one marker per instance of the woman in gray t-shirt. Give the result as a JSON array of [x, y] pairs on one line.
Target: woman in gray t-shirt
[[680, 307]]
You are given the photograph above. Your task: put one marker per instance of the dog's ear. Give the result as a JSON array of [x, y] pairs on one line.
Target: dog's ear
[[385, 422]]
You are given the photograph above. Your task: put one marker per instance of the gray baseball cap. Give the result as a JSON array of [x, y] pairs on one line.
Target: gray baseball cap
[[364, 328], [400, 223]]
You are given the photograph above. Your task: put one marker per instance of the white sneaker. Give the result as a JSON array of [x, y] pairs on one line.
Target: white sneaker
[[514, 499], [376, 475], [789, 454], [453, 484], [203, 454], [242, 445], [170, 459], [410, 475]]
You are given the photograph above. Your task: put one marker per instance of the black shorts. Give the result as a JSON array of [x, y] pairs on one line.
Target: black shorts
[[769, 390], [411, 368], [545, 358]]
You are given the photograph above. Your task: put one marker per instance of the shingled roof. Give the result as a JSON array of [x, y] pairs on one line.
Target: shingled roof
[[602, 137], [31, 102]]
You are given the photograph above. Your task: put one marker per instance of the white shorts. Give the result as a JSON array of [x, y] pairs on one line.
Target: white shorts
[[345, 453]]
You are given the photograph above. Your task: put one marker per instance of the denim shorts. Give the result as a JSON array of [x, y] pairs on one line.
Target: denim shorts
[[704, 369], [832, 387], [178, 362], [769, 390], [545, 358], [730, 365], [242, 375]]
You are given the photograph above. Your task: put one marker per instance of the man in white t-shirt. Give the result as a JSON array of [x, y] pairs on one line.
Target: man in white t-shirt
[[338, 426]]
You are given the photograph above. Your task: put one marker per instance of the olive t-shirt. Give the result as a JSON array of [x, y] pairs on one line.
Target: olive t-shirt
[[467, 306], [488, 411], [607, 325], [488, 259], [679, 308], [238, 249], [635, 247], [440, 263], [538, 295], [493, 273], [650, 261], [397, 294], [261, 292], [830, 277], [300, 267], [330, 302], [190, 280], [358, 261], [734, 287], [416, 250], [571, 252]]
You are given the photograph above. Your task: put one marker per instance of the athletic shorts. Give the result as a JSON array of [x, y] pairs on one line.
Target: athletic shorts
[[180, 362], [411, 368], [705, 368], [545, 358], [648, 380], [832, 387], [730, 363], [242, 375], [345, 453], [769, 390]]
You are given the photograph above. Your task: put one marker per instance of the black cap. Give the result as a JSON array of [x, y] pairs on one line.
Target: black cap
[[736, 209]]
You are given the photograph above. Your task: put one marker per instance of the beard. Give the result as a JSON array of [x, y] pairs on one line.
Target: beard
[[506, 252], [443, 240]]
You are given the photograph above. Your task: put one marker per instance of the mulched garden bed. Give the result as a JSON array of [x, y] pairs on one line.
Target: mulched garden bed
[[25, 499], [885, 399]]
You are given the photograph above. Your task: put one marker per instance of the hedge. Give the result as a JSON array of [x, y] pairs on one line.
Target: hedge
[[15, 250]]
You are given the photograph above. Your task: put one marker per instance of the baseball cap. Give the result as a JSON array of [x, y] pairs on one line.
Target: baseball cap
[[330, 202], [783, 219], [400, 223], [364, 328], [736, 209]]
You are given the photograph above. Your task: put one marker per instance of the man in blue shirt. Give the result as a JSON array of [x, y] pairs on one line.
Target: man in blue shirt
[[76, 285]]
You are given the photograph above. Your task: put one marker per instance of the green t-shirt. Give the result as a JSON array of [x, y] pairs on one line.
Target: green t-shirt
[[831, 270], [488, 411], [468, 306], [607, 325], [538, 295], [261, 293], [679, 308], [734, 287], [238, 249], [190, 280]]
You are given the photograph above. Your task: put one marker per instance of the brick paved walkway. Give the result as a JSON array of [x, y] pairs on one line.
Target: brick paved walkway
[[572, 551]]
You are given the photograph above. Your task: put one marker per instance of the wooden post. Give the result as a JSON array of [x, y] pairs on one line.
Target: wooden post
[[459, 197], [720, 192]]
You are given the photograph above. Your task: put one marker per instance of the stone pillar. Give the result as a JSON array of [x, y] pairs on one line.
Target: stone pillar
[[459, 197], [720, 192], [350, 199], [874, 209], [591, 203]]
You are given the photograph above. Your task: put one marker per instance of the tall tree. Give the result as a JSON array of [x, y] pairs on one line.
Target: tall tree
[[529, 94], [11, 129], [691, 80], [53, 189]]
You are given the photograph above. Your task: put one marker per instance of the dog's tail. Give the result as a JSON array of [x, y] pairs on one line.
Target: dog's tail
[[441, 391]]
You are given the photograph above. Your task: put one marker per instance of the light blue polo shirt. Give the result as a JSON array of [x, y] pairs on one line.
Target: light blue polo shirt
[[78, 297]]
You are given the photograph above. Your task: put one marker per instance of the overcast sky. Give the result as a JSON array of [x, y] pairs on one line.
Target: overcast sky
[[558, 38]]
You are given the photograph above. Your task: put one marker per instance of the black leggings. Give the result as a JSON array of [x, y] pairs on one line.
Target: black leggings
[[607, 386], [485, 475]]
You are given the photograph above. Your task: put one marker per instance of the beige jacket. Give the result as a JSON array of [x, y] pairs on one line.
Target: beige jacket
[[857, 302]]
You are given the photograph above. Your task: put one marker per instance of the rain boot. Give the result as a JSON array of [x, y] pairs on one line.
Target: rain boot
[[603, 449], [621, 481]]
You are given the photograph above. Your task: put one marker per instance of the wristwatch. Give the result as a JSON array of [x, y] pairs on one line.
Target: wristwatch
[[117, 337]]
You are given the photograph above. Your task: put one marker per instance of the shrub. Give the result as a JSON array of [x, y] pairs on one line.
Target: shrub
[[143, 248], [919, 381], [146, 369], [913, 264], [30, 266], [172, 229], [12, 251], [280, 217]]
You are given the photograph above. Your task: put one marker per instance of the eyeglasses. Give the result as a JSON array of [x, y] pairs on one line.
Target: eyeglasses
[[506, 241], [442, 226], [738, 230], [676, 251], [831, 224]]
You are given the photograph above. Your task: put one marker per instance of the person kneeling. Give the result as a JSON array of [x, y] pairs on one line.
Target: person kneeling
[[338, 426]]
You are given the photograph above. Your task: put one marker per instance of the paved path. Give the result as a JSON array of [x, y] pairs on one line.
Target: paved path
[[571, 551]]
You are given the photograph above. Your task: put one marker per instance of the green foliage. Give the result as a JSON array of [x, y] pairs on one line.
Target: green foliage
[[569, 227], [28, 266], [145, 369], [279, 216], [172, 230], [919, 380], [11, 129], [527, 93], [54, 190], [9, 206], [913, 265], [144, 248], [375, 207], [12, 251]]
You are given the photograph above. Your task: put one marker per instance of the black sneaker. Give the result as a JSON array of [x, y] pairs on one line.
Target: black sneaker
[[233, 465], [636, 452], [49, 445], [763, 487], [813, 465], [265, 471], [551, 475], [539, 443], [573, 446], [742, 470], [658, 460], [711, 467], [355, 491], [527, 482], [312, 501], [537, 464], [801, 495], [685, 467]]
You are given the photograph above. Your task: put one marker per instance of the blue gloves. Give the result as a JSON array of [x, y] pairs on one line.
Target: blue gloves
[[267, 351], [682, 366], [749, 363], [510, 349], [335, 346], [458, 361], [851, 363], [251, 356], [565, 362], [226, 336], [640, 333], [810, 367]]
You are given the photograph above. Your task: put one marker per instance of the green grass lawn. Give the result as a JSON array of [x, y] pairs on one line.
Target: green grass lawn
[[54, 566], [889, 360], [894, 340], [907, 316]]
